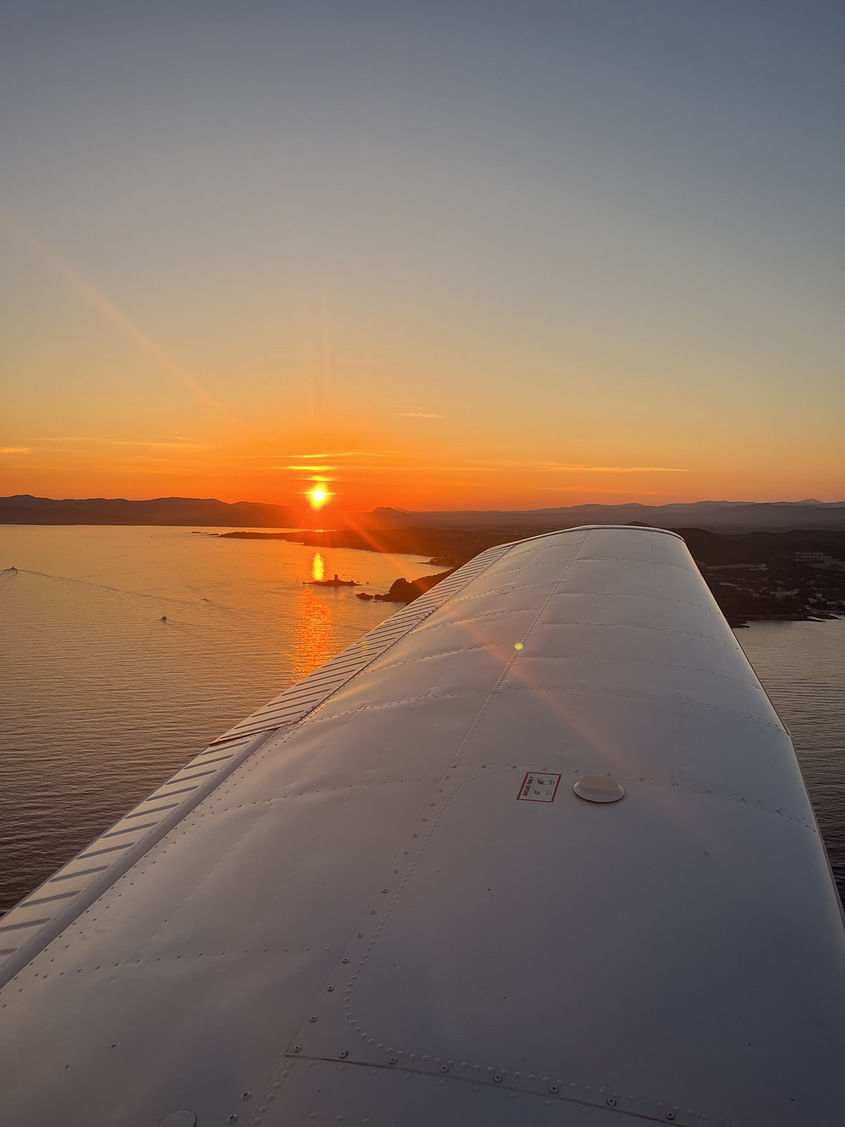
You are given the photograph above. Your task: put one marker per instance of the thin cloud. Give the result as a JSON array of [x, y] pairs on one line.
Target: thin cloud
[[157, 445], [416, 415], [597, 490], [15, 450], [171, 444], [417, 462], [564, 467], [573, 467], [339, 454], [309, 467]]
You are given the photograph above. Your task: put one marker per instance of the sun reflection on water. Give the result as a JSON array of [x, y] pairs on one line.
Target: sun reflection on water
[[315, 637]]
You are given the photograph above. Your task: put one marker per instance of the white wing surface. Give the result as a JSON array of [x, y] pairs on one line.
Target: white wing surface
[[535, 851]]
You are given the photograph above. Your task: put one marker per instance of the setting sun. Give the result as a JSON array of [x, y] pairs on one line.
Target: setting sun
[[317, 497]]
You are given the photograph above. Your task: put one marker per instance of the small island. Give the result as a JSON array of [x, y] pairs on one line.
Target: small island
[[334, 582]]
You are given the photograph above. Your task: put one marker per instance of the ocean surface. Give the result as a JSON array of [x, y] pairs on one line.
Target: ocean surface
[[126, 650]]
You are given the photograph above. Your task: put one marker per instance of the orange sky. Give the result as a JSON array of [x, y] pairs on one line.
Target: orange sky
[[107, 410], [434, 261], [417, 473]]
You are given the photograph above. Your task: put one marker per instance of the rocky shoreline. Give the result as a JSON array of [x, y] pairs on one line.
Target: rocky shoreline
[[405, 590]]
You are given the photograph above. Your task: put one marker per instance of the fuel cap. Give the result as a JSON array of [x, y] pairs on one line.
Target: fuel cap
[[598, 788]]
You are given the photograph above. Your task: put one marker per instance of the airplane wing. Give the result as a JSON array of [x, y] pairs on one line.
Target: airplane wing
[[534, 851]]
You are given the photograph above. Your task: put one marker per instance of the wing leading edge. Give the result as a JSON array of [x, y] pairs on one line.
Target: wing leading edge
[[388, 903]]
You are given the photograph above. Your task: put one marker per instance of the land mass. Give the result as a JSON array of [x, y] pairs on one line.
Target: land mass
[[186, 511], [783, 560], [717, 516], [405, 591], [754, 576]]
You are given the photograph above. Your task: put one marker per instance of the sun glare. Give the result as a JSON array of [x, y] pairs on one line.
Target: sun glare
[[317, 497]]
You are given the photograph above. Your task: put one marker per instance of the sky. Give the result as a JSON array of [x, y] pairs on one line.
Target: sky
[[464, 254]]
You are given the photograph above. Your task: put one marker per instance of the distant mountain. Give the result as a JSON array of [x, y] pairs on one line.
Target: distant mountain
[[206, 511], [716, 516], [389, 518], [713, 516]]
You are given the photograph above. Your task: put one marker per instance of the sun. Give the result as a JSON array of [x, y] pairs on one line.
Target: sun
[[317, 497]]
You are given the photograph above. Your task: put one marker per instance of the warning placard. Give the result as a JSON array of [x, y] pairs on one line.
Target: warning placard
[[538, 786]]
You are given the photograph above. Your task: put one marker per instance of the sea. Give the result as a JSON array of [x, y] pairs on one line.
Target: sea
[[126, 650]]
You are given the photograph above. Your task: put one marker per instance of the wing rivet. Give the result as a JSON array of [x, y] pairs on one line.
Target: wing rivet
[[670, 1115], [611, 1101], [246, 1095], [345, 959], [553, 1088], [392, 1059], [297, 1048], [330, 988], [444, 1068], [343, 1054], [313, 1018], [497, 1079]]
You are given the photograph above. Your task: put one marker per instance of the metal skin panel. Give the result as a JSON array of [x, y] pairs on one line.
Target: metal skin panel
[[361, 922]]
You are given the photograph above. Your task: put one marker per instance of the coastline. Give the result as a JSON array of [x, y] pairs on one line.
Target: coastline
[[791, 576]]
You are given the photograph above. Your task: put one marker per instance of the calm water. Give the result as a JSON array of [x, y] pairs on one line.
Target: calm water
[[100, 700], [802, 668]]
